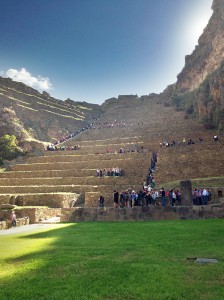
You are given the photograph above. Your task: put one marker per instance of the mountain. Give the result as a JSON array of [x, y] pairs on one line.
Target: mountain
[[199, 89], [30, 115]]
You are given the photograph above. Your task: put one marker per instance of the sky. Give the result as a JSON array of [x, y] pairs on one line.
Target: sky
[[93, 50]]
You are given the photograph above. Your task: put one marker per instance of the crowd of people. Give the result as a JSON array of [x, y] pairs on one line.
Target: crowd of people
[[179, 143], [185, 142], [131, 198], [52, 147], [109, 172], [152, 196], [149, 195], [201, 196], [100, 125]]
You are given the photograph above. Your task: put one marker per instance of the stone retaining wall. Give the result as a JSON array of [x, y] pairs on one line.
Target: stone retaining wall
[[19, 222], [50, 200], [150, 213], [35, 214]]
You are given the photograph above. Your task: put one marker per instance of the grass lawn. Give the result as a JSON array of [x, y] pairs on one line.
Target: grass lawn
[[135, 260]]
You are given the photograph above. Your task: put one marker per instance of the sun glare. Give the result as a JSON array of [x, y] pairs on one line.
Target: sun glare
[[193, 28], [197, 27]]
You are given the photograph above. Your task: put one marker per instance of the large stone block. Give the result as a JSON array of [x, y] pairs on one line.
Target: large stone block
[[186, 193]]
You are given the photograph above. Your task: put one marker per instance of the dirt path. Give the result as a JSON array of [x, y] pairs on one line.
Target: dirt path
[[28, 228]]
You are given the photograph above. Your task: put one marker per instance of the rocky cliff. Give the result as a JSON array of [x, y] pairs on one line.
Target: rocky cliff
[[199, 89], [208, 54]]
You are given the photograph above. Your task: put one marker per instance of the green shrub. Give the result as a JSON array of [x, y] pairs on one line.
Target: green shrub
[[9, 147]]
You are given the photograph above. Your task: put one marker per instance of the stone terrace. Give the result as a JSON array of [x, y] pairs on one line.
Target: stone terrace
[[190, 161], [152, 122], [72, 174]]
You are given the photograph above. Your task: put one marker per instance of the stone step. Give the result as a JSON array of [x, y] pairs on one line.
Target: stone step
[[49, 173], [125, 164], [65, 189], [61, 173], [92, 180], [57, 156], [53, 200]]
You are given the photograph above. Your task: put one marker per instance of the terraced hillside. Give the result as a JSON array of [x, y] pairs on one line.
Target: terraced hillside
[[153, 122], [71, 175], [43, 116], [135, 125]]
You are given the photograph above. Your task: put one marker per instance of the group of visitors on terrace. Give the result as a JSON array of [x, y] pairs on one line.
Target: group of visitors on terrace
[[185, 142], [72, 134], [162, 197], [100, 125], [109, 172], [69, 136], [131, 198], [143, 198], [52, 147], [150, 180], [201, 196], [179, 143], [173, 197], [134, 148]]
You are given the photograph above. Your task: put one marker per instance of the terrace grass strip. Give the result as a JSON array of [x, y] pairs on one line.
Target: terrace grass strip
[[31, 95], [27, 107], [79, 161], [64, 116], [17, 100], [60, 109]]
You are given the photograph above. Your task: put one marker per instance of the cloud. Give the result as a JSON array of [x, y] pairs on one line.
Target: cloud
[[22, 75]]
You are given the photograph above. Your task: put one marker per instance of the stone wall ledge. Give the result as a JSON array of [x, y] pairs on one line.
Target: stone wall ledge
[[150, 213]]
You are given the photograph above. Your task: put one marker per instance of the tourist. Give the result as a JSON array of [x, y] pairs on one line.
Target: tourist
[[13, 219], [205, 196], [133, 198], [126, 199], [163, 196], [200, 197], [174, 197], [153, 195], [122, 200], [195, 197], [116, 197], [148, 199], [178, 198]]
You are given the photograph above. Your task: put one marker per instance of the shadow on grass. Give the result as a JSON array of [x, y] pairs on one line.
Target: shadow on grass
[[116, 261]]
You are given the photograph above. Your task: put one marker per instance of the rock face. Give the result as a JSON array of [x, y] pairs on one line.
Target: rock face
[[208, 54], [199, 89]]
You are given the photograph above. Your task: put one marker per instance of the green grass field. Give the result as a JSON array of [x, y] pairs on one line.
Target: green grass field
[[130, 260]]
